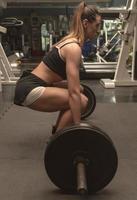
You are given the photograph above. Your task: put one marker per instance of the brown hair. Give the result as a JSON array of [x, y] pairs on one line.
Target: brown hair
[[82, 12]]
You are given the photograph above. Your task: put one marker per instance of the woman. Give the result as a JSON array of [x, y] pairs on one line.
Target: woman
[[39, 89]]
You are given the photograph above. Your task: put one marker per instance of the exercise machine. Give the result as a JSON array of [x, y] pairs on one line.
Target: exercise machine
[[129, 40]]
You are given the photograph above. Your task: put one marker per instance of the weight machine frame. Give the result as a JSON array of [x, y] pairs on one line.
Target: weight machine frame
[[129, 39]]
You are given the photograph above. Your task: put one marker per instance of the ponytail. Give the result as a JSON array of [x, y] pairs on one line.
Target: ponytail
[[77, 31]]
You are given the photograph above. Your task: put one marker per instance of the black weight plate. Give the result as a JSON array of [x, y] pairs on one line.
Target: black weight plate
[[95, 145], [91, 101]]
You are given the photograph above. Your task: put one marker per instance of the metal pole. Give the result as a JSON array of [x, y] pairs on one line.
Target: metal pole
[[81, 178]]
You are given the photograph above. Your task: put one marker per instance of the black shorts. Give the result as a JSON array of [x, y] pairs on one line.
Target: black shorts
[[25, 84]]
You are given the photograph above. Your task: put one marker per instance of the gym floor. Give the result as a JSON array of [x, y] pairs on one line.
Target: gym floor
[[23, 137]]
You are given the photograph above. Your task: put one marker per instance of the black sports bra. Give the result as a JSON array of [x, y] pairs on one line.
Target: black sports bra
[[55, 62]]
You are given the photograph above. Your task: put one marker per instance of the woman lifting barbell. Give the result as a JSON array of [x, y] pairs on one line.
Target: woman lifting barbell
[[37, 89]]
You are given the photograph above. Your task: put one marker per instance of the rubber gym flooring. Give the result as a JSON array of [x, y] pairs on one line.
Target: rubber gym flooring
[[23, 137]]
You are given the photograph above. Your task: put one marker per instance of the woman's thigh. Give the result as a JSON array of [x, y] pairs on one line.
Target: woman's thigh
[[54, 99]]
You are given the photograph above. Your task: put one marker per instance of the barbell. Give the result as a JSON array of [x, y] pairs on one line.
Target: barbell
[[87, 91], [81, 159]]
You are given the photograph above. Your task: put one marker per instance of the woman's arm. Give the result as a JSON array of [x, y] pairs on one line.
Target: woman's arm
[[73, 59]]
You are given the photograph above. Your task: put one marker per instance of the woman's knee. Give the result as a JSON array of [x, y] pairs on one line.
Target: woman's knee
[[84, 102], [54, 99]]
